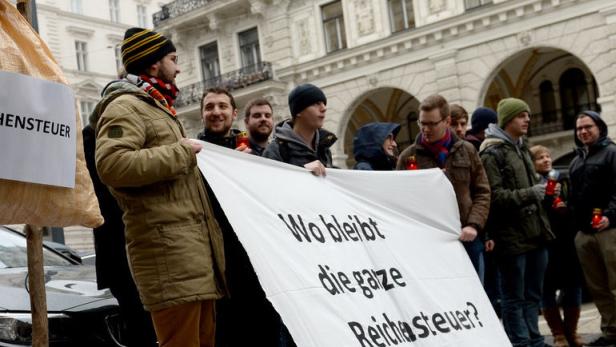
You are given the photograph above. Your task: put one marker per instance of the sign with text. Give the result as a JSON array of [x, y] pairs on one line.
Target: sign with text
[[37, 131], [356, 258]]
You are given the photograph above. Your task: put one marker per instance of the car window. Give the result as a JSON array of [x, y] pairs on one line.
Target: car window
[[13, 252]]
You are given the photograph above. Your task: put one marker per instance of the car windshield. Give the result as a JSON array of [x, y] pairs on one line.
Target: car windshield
[[13, 252]]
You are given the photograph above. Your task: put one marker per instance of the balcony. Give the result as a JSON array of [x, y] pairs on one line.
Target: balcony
[[557, 120], [177, 8], [233, 80]]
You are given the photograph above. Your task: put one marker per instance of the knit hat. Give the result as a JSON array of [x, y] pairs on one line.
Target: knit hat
[[303, 96], [142, 48], [480, 119], [508, 109]]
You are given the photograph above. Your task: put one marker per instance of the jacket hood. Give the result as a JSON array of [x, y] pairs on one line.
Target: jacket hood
[[495, 132], [284, 131], [112, 90], [600, 124], [369, 139]]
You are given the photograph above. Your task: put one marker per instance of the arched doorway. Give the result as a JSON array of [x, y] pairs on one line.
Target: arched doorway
[[383, 105], [556, 84]]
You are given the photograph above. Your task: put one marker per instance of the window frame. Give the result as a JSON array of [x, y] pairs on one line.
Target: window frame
[[253, 46], [341, 40], [114, 11], [81, 55]]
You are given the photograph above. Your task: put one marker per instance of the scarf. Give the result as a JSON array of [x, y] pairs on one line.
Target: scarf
[[440, 148], [165, 93]]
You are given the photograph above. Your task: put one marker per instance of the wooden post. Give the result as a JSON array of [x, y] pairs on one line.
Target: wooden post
[[36, 286], [34, 238]]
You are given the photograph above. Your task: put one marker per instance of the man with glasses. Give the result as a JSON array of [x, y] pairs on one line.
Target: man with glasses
[[518, 223], [174, 246], [593, 186], [437, 146]]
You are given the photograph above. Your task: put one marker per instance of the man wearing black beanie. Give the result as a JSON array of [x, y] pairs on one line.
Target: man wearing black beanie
[[301, 140], [142, 155]]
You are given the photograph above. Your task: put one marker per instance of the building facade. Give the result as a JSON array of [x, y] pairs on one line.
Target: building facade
[[376, 59], [84, 37]]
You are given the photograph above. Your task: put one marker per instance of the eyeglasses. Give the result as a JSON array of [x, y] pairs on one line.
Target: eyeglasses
[[430, 125], [585, 127]]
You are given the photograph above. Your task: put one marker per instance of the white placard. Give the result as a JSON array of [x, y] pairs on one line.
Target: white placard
[[357, 258], [38, 135]]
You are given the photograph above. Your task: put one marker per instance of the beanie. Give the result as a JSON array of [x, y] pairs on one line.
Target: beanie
[[508, 109], [480, 119], [303, 96], [142, 48]]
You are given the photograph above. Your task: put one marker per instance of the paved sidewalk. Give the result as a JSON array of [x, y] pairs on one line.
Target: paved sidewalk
[[589, 326]]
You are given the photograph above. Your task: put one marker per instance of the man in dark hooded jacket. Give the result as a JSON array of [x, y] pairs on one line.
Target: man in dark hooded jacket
[[302, 141], [374, 146], [593, 186]]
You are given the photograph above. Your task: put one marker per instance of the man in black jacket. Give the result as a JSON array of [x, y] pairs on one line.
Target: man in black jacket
[[593, 187], [301, 140]]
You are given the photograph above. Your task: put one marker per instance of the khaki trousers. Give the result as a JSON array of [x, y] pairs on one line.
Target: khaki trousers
[[187, 325], [597, 254]]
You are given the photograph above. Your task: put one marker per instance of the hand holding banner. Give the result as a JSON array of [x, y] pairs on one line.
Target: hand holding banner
[[356, 258]]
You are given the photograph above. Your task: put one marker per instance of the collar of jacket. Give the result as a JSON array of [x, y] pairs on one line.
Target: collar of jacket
[[583, 152], [221, 140]]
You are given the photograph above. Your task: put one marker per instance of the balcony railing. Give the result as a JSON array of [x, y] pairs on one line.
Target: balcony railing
[[237, 79], [557, 120], [177, 8]]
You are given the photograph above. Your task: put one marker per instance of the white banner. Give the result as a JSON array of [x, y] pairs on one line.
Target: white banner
[[357, 258], [38, 136]]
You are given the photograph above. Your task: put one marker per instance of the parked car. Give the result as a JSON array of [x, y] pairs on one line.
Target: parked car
[[79, 314]]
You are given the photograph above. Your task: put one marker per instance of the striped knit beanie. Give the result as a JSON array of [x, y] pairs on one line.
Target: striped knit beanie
[[142, 48]]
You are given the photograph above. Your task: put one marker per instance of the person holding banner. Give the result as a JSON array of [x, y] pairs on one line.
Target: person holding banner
[[258, 121], [437, 146], [518, 224], [375, 147], [247, 305], [302, 141], [218, 111], [174, 246]]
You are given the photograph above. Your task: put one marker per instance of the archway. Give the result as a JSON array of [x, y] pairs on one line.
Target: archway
[[383, 105], [556, 84]]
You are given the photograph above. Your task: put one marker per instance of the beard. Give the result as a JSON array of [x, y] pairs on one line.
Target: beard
[[259, 136]]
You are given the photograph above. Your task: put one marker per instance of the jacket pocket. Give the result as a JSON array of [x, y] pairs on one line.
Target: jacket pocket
[[187, 260]]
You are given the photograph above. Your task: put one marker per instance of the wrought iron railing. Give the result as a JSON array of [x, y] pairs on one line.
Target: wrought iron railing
[[557, 120], [237, 79], [177, 8]]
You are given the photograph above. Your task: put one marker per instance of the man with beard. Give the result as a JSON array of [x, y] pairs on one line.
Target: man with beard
[[174, 246], [258, 121], [246, 307], [218, 111]]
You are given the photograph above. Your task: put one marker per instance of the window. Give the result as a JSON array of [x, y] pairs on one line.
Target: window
[[86, 108], [76, 6], [333, 26], [117, 50], [401, 15], [142, 17], [81, 52], [468, 4], [210, 67], [114, 10], [249, 49], [548, 103], [574, 96]]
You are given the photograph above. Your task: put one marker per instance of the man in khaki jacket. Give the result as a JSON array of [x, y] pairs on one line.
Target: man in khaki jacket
[[438, 147], [174, 246]]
